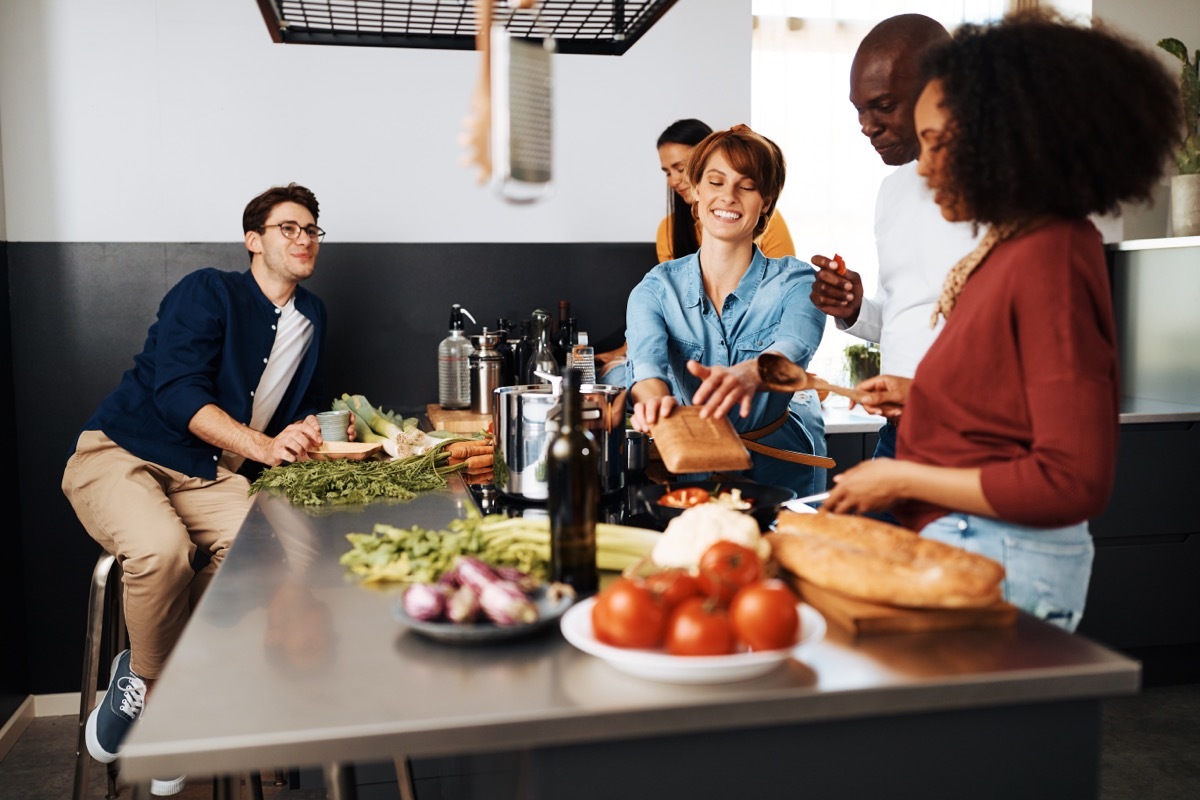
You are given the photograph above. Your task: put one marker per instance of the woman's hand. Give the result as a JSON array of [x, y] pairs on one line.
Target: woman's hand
[[722, 388], [648, 412], [870, 486], [885, 395]]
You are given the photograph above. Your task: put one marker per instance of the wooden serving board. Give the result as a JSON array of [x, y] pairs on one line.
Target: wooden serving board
[[456, 420], [860, 617]]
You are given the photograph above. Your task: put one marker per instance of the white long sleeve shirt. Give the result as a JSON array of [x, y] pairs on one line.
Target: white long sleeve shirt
[[916, 248]]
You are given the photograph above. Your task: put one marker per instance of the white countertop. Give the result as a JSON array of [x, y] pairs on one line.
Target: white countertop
[[839, 418]]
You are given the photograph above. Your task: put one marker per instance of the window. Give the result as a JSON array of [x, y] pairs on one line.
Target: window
[[800, 84]]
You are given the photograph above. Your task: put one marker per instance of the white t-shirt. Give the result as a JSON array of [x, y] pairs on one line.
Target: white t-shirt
[[293, 335], [916, 248]]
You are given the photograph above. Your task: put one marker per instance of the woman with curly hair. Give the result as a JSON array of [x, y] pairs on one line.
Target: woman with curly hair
[[1009, 443]]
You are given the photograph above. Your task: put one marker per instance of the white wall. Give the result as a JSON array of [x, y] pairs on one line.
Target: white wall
[[1147, 22], [156, 120]]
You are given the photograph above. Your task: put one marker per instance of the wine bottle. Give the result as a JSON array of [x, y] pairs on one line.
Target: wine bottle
[[573, 500], [522, 351]]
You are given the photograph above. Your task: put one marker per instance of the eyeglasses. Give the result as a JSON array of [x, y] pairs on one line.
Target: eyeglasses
[[291, 230]]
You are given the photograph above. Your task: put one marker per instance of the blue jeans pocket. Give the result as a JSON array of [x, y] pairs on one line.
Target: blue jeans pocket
[[1047, 570]]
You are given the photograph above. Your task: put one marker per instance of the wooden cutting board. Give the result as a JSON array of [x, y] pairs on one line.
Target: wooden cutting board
[[861, 618], [456, 420]]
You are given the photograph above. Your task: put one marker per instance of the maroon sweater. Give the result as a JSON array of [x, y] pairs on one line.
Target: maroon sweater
[[1023, 382]]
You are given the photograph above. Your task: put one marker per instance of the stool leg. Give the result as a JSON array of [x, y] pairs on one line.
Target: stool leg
[[114, 772], [91, 668]]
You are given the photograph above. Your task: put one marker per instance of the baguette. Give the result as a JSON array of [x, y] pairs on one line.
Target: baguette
[[871, 560]]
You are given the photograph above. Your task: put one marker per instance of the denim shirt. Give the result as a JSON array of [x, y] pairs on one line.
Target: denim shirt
[[209, 344], [670, 320]]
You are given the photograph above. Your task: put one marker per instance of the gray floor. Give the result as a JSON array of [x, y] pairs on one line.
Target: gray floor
[[1150, 749]]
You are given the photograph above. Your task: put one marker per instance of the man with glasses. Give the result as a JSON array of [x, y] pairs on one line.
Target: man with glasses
[[230, 376]]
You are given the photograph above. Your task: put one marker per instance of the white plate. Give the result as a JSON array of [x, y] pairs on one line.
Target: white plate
[[657, 665]]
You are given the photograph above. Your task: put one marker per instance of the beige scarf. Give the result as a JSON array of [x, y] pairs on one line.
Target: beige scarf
[[956, 278]]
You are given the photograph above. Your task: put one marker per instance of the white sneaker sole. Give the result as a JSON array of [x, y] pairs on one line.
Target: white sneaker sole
[[161, 788]]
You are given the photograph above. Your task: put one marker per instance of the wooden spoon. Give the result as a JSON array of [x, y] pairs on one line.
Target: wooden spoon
[[780, 374]]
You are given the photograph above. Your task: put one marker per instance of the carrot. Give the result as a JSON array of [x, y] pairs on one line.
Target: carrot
[[481, 462], [468, 449], [840, 264]]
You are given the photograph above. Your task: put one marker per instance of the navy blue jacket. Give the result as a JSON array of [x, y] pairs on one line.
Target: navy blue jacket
[[210, 344]]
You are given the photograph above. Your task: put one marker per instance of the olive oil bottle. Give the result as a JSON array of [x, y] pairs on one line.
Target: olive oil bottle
[[573, 486]]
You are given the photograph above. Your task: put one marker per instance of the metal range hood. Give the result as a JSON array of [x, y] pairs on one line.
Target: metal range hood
[[589, 27]]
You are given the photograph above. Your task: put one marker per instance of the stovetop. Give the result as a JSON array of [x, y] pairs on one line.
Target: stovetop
[[623, 507]]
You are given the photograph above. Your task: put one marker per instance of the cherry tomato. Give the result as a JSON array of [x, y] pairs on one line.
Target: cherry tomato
[[626, 614], [684, 498], [764, 615], [673, 586], [726, 567], [699, 627]]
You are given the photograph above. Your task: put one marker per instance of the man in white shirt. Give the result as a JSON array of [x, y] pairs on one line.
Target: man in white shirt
[[916, 246]]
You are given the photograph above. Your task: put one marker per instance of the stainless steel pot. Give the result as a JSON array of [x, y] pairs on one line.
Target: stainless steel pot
[[524, 419]]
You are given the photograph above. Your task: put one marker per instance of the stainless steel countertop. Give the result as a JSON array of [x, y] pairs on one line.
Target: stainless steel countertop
[[289, 661]]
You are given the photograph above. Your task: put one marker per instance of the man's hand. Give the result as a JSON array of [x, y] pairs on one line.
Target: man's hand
[[294, 442], [885, 395], [724, 387], [836, 295]]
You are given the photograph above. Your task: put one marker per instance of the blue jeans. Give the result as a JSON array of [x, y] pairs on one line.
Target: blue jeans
[[886, 448], [1047, 570]]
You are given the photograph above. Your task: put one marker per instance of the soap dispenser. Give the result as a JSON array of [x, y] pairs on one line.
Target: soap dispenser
[[454, 374]]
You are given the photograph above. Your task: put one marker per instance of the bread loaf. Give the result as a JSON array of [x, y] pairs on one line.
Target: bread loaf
[[871, 560]]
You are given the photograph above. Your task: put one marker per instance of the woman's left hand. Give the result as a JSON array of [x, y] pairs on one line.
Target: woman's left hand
[[870, 486], [722, 388]]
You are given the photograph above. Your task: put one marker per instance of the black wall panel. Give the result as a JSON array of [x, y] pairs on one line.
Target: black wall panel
[[80, 312], [14, 674]]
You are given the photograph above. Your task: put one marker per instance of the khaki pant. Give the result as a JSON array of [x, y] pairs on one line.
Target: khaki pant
[[154, 520]]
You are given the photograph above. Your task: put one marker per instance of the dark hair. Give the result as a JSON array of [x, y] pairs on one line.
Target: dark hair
[[1047, 117], [680, 224], [751, 154], [258, 209]]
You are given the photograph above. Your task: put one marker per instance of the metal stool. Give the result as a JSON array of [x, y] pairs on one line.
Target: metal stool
[[104, 616], [106, 621]]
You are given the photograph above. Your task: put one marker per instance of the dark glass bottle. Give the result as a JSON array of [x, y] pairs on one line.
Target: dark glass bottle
[[573, 485], [561, 331], [566, 339], [504, 329], [522, 351]]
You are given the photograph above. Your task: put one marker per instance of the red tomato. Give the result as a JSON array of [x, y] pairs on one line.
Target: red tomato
[[699, 627], [764, 615], [626, 614], [684, 498], [673, 586], [726, 567]]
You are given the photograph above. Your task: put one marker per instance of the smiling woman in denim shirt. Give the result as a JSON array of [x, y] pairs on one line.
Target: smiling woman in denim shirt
[[697, 324]]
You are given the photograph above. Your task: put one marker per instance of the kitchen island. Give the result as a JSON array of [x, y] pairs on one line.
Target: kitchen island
[[288, 662]]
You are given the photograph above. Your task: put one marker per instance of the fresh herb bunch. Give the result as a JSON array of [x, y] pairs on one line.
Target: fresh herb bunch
[[345, 482], [421, 555]]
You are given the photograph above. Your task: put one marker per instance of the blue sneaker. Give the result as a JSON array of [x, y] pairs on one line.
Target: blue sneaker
[[111, 719]]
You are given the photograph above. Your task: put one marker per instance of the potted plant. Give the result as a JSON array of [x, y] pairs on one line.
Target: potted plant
[[862, 362], [1185, 187]]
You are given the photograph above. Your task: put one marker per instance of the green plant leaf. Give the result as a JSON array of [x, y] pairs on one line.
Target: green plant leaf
[[1175, 48]]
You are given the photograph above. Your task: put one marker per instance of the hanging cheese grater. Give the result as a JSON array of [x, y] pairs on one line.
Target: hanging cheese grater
[[522, 125]]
